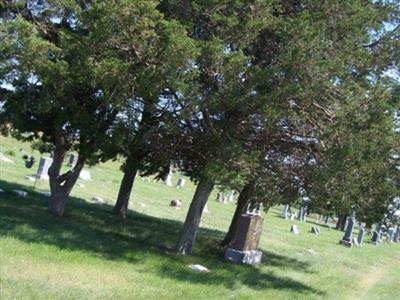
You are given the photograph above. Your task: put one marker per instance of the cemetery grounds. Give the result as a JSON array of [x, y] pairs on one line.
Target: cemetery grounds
[[92, 254]]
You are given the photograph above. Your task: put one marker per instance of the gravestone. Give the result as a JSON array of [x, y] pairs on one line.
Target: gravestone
[[85, 175], [391, 233], [292, 216], [376, 237], [326, 219], [230, 195], [73, 159], [43, 169], [168, 179], [304, 215], [396, 238], [315, 230], [300, 214], [285, 212], [219, 197], [243, 248], [347, 238], [294, 229], [360, 236], [181, 183], [176, 203], [355, 242]]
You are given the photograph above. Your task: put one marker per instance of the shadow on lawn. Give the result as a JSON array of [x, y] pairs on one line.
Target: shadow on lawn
[[92, 228]]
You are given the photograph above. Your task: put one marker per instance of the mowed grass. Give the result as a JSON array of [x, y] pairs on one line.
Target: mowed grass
[[91, 254]]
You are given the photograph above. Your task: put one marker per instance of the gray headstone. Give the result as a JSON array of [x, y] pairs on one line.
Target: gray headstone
[[326, 219], [349, 230], [360, 236], [375, 237], [168, 179], [300, 214], [391, 232], [285, 211], [181, 183], [43, 169], [294, 229], [315, 230], [397, 235], [304, 215]]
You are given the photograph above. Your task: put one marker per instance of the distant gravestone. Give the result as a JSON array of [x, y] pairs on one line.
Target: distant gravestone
[[43, 169], [285, 212], [347, 238], [294, 229], [391, 233], [168, 179], [219, 197], [315, 230], [230, 195], [304, 215], [355, 242], [176, 203], [300, 214], [397, 235], [326, 219], [85, 175], [292, 216], [243, 248], [181, 183], [73, 159], [375, 237], [360, 236]]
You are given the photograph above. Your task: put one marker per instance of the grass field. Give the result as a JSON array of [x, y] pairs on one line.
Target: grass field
[[91, 254]]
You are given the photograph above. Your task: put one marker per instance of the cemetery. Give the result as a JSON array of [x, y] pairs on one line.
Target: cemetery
[[171, 149], [92, 254]]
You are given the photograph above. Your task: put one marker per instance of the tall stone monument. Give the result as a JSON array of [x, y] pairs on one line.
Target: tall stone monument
[[243, 248], [43, 169], [347, 238]]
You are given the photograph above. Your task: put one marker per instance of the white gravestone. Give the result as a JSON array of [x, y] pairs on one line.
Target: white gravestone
[[85, 175]]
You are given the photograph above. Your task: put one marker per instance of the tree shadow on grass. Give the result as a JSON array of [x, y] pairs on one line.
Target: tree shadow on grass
[[92, 228]]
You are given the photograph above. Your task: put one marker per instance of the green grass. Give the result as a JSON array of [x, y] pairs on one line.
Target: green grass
[[91, 254]]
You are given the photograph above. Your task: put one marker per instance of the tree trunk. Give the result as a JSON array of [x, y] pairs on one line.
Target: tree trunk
[[61, 185], [125, 189], [341, 222], [190, 227], [243, 201]]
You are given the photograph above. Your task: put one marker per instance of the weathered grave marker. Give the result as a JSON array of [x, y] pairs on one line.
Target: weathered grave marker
[[285, 211], [315, 230], [243, 248], [73, 159], [360, 236], [181, 183], [347, 238], [43, 169], [375, 237], [294, 229]]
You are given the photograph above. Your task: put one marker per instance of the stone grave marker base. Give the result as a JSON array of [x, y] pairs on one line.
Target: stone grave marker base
[[250, 257], [346, 243]]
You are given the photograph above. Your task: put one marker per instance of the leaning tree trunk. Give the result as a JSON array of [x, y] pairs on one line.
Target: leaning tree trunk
[[243, 201], [190, 227], [125, 189], [341, 222], [61, 185]]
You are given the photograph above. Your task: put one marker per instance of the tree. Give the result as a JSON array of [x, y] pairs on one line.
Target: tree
[[63, 85]]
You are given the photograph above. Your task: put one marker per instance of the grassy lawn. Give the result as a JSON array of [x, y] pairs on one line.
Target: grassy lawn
[[91, 254]]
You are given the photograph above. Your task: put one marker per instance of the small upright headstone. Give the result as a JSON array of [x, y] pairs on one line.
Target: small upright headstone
[[168, 179], [294, 229], [360, 236], [396, 238], [326, 219], [219, 197], [300, 214], [391, 233], [181, 183], [347, 238], [285, 211], [243, 248], [73, 159], [304, 215], [43, 169], [375, 237], [230, 196], [315, 230]]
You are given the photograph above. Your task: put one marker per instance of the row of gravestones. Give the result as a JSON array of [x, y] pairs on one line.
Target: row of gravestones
[[301, 215], [393, 235], [45, 163]]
